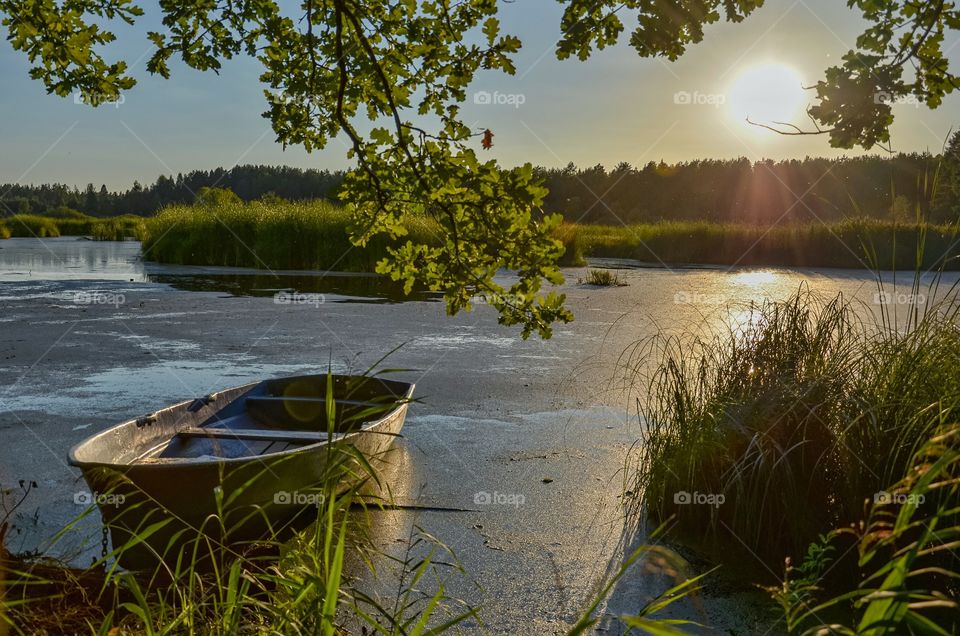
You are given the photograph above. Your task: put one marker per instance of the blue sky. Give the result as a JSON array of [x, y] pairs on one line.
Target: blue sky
[[615, 107]]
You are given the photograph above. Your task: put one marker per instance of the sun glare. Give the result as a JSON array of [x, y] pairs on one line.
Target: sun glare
[[767, 93]]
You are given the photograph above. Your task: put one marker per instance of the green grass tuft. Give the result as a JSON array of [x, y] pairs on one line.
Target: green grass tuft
[[601, 278]]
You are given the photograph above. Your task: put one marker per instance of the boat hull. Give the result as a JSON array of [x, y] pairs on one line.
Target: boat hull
[[232, 500]]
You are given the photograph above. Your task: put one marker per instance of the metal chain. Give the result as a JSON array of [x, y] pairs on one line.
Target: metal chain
[[104, 542]]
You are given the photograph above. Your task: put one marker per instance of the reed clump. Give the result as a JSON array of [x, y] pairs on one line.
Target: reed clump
[[269, 234], [602, 278], [777, 431], [115, 228]]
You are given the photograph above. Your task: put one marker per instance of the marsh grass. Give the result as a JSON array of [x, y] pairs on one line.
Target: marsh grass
[[117, 228], [602, 278], [854, 243], [314, 235], [795, 419], [275, 235], [907, 568], [24, 225]]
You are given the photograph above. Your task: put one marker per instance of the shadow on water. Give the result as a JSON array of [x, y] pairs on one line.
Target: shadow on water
[[347, 288]]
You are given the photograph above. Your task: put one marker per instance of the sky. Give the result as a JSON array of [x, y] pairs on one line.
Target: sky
[[616, 107]]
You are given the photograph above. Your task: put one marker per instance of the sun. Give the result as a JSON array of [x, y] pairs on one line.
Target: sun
[[767, 93]]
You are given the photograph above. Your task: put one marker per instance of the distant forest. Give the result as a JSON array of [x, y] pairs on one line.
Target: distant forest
[[736, 190], [248, 182]]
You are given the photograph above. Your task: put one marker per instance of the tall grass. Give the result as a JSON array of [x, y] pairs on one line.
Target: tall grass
[[117, 228], [790, 422], [907, 570], [854, 243], [313, 235], [287, 235], [24, 225]]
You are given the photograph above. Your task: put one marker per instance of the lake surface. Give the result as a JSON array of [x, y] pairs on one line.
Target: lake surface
[[91, 335]]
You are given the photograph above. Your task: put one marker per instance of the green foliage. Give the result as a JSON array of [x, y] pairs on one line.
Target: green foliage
[[61, 40], [216, 197], [662, 29], [4, 231]]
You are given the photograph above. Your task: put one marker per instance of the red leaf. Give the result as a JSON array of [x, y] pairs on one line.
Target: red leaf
[[487, 142]]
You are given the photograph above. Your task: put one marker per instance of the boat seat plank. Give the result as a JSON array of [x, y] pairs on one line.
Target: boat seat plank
[[261, 399], [264, 435]]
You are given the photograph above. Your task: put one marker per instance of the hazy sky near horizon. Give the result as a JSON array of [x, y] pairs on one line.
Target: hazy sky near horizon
[[614, 107]]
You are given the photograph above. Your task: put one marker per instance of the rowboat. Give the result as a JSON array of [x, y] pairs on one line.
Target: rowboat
[[237, 464]]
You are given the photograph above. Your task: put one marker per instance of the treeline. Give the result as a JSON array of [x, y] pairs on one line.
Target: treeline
[[248, 182], [741, 191], [733, 190]]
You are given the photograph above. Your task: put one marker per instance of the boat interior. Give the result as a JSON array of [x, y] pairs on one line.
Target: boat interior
[[272, 417]]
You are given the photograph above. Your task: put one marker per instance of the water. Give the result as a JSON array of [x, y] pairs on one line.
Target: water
[[30, 260], [69, 258], [496, 414]]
